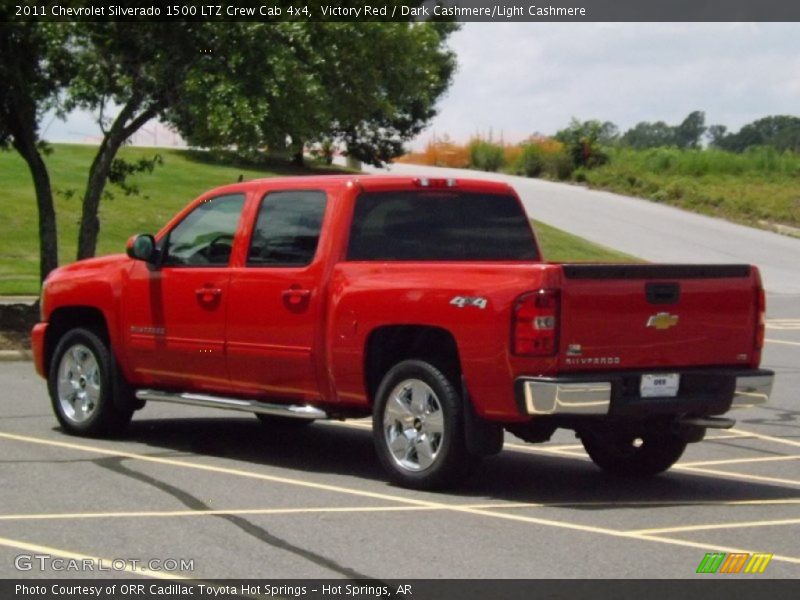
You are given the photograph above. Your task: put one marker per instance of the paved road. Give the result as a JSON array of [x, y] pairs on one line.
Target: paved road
[[241, 502], [652, 231]]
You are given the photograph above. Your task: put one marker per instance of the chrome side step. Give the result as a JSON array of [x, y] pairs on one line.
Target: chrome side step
[[253, 406]]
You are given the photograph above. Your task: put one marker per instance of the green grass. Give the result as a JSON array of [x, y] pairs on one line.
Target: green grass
[[183, 176], [756, 187], [560, 246]]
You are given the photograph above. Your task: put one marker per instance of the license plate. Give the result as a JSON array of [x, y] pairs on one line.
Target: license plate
[[663, 385]]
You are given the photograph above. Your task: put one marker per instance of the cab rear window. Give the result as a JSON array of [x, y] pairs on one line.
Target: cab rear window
[[440, 226]]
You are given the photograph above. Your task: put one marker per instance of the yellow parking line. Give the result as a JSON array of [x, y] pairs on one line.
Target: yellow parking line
[[213, 469], [399, 499], [766, 438], [379, 509], [734, 475], [203, 513], [783, 342], [736, 461], [70, 555], [713, 438], [557, 450], [710, 526]]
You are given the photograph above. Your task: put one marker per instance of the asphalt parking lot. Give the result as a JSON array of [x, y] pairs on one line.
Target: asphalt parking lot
[[220, 491]]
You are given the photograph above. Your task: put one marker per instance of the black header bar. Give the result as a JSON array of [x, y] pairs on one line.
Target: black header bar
[[495, 11]]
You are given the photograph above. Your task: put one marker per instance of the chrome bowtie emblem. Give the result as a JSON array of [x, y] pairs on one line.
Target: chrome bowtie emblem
[[662, 320]]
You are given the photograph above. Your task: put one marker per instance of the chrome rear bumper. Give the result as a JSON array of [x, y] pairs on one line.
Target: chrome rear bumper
[[752, 390], [706, 392]]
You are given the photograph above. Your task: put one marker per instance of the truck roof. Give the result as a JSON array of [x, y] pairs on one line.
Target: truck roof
[[367, 182]]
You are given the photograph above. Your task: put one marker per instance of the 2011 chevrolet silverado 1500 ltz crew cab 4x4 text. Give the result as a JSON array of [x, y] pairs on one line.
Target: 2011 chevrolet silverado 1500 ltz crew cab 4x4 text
[[421, 302]]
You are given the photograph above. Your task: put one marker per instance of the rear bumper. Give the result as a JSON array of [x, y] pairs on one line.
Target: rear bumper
[[701, 392], [37, 347]]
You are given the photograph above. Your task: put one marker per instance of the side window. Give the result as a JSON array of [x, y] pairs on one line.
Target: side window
[[287, 229], [204, 238]]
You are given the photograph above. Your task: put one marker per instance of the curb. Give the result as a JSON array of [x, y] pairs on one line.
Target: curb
[[15, 355]]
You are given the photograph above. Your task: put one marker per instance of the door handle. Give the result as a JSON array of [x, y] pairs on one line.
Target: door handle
[[295, 296], [207, 293]]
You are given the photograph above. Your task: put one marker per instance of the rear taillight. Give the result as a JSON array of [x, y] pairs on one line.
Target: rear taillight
[[761, 310], [534, 329]]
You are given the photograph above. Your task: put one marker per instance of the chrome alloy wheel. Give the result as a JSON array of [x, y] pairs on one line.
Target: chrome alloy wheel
[[79, 383], [413, 425]]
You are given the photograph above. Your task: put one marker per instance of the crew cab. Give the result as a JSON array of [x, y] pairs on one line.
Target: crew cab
[[424, 303]]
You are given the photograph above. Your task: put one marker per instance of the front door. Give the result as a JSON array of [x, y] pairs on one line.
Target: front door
[[176, 311]]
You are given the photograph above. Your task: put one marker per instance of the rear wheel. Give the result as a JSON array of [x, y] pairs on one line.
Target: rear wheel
[[418, 427], [82, 383], [633, 455]]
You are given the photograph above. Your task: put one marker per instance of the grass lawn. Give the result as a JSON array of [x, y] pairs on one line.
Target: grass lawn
[[759, 188], [560, 246], [182, 177]]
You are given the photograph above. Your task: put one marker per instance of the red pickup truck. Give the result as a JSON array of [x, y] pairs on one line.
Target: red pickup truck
[[422, 302]]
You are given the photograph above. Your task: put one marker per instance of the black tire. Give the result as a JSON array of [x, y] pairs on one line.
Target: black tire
[[629, 455], [436, 455], [278, 422], [84, 362]]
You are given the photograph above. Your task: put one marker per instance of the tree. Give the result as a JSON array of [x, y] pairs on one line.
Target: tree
[[136, 69], [582, 142], [369, 86], [649, 135], [400, 70], [781, 132], [34, 67], [715, 134], [689, 132]]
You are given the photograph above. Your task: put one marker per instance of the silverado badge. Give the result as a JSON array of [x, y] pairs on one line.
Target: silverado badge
[[662, 321]]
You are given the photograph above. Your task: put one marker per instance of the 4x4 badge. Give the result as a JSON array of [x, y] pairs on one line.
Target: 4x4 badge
[[662, 320]]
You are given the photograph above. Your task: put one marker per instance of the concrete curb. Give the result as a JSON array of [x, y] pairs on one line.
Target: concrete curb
[[15, 355]]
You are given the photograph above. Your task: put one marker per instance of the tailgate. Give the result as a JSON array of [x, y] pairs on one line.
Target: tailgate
[[657, 316]]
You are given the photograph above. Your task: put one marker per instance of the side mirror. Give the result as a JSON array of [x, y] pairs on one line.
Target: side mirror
[[142, 247]]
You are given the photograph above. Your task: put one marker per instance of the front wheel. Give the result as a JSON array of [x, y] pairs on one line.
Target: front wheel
[[82, 384], [631, 455], [418, 427]]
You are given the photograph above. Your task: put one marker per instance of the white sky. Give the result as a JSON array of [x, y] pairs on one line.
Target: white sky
[[515, 79]]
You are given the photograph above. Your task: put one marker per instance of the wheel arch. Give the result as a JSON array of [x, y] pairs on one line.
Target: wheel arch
[[388, 345], [65, 318]]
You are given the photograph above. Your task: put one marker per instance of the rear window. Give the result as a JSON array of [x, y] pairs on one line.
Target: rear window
[[447, 226]]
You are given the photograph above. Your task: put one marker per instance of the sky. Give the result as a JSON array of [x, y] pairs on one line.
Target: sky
[[517, 79]]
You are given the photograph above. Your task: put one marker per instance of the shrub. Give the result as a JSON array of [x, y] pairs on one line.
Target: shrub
[[485, 155], [559, 165], [531, 161]]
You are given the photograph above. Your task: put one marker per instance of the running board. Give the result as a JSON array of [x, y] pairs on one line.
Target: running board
[[253, 406]]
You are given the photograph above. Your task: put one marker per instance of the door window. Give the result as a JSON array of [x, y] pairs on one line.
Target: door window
[[287, 230], [204, 238]]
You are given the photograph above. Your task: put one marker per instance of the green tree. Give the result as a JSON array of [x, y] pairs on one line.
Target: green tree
[[366, 86], [133, 70], [781, 132], [715, 134], [582, 143], [689, 132], [34, 68], [648, 135]]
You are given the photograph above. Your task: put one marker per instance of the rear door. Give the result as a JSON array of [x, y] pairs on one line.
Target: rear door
[[275, 299], [641, 316]]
